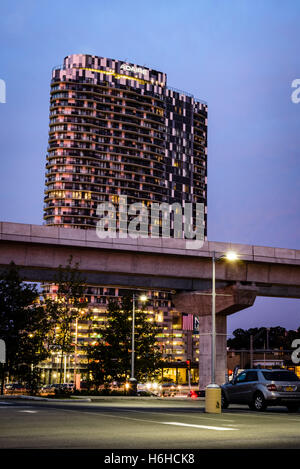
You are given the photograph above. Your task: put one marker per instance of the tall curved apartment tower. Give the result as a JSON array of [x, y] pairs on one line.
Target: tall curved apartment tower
[[117, 129]]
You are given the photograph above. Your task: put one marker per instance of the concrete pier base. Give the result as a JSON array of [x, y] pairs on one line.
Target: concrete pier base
[[205, 326], [229, 300]]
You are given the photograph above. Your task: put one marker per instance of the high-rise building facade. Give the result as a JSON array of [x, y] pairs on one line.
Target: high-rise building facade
[[117, 129]]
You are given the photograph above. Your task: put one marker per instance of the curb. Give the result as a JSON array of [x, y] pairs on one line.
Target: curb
[[21, 396], [101, 398], [37, 398], [144, 398]]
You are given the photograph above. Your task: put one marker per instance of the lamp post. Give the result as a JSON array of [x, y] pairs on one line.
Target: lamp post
[[213, 321], [75, 353], [2, 362], [76, 375], [142, 298], [132, 337], [213, 391]]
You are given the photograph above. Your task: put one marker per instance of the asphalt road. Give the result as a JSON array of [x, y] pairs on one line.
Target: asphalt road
[[148, 423]]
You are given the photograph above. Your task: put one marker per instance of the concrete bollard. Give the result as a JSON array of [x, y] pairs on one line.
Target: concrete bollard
[[213, 399]]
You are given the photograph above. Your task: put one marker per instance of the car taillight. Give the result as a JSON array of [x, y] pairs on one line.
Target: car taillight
[[271, 387]]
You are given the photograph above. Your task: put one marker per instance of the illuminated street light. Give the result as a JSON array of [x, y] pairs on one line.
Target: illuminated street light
[[230, 256], [211, 401], [76, 376], [142, 298]]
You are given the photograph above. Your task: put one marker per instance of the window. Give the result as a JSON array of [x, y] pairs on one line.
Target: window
[[280, 376], [241, 377], [251, 376]]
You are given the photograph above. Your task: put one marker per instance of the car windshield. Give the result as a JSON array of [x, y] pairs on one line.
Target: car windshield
[[280, 376]]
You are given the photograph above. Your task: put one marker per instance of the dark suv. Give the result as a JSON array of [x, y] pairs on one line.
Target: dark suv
[[260, 388]]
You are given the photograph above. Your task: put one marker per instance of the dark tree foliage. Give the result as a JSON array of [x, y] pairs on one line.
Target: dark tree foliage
[[23, 326], [68, 305], [110, 358], [272, 337]]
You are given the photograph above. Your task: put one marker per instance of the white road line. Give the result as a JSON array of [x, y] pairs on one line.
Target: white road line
[[29, 411], [205, 427], [256, 415], [3, 405], [198, 416]]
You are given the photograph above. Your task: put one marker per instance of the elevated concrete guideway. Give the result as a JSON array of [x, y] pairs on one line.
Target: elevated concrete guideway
[[161, 264], [147, 263]]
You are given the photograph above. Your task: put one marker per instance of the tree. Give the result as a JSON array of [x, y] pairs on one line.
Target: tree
[[23, 326], [274, 337], [66, 308], [110, 357]]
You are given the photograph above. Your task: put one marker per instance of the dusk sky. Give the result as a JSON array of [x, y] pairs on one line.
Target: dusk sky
[[240, 56]]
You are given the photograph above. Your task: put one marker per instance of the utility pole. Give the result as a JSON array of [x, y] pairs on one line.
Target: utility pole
[[132, 378], [75, 353], [213, 333]]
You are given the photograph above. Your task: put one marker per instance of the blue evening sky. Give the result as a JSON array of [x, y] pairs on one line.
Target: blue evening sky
[[239, 55]]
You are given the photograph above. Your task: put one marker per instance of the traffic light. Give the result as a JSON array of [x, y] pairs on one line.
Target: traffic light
[[188, 364]]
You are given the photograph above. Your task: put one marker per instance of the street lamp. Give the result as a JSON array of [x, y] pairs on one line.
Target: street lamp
[[213, 389], [143, 299], [230, 256], [76, 375]]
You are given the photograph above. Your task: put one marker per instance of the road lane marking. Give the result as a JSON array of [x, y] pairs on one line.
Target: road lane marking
[[237, 414], [29, 411], [3, 405], [198, 416], [205, 427]]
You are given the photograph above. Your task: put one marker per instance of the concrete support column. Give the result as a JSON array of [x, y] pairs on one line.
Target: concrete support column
[[229, 300], [205, 328]]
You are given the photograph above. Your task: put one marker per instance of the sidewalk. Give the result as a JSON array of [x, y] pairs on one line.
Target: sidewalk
[[24, 397], [97, 398]]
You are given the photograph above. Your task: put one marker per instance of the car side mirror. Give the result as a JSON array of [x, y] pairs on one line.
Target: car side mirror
[[233, 381]]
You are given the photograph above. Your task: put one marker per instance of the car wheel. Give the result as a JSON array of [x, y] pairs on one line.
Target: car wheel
[[259, 403], [224, 401], [292, 407]]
